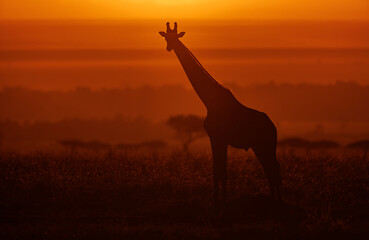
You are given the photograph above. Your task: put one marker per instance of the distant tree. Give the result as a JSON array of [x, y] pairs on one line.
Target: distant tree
[[294, 143], [96, 146], [148, 145], [153, 144], [324, 144], [127, 146], [363, 144], [74, 144], [71, 144], [188, 128]]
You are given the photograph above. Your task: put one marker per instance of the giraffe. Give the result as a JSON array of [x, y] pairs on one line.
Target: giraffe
[[228, 122]]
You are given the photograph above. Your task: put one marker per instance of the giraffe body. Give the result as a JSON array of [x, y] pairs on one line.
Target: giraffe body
[[228, 122]]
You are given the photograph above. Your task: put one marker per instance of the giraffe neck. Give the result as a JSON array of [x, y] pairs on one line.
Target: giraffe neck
[[207, 88]]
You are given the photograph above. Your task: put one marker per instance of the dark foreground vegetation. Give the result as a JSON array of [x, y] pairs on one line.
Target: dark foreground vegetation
[[127, 195]]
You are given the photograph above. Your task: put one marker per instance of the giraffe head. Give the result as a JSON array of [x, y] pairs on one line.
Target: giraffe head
[[171, 36]]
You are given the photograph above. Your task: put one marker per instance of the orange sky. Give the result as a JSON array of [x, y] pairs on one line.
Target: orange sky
[[206, 9]]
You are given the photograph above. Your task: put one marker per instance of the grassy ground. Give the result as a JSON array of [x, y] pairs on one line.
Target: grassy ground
[[118, 195]]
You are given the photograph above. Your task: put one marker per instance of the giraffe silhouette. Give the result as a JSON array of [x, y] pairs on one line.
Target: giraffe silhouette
[[228, 122]]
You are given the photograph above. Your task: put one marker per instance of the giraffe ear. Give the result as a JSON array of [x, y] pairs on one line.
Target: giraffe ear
[[162, 34], [181, 34]]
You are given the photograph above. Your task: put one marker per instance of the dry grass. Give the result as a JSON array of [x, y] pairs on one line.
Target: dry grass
[[118, 195]]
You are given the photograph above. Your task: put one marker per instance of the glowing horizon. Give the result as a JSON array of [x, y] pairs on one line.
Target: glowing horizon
[[185, 9]]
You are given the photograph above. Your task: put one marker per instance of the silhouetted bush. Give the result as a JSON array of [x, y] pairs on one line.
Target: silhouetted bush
[[360, 145], [302, 143], [363, 144]]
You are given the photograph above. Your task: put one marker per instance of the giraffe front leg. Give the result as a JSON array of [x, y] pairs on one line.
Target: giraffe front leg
[[268, 160], [219, 150]]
